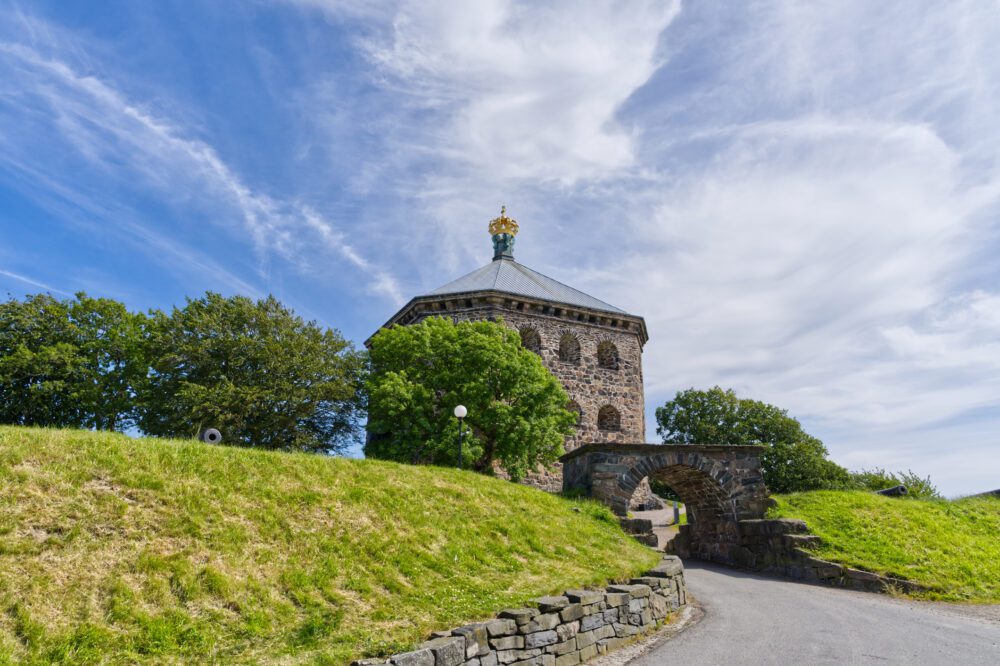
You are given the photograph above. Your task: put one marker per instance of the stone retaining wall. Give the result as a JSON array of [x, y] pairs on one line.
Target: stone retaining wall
[[640, 529], [781, 546], [559, 630]]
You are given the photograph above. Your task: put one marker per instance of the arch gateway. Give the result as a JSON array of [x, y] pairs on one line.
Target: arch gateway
[[720, 486]]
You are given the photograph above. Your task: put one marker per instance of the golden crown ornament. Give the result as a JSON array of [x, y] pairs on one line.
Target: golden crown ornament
[[503, 224]]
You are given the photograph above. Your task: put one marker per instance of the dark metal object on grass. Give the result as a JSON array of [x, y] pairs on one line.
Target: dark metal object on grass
[[210, 436], [895, 491]]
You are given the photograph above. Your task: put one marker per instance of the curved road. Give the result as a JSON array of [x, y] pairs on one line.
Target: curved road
[[751, 619]]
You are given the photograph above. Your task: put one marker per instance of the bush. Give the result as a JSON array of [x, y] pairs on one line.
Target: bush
[[880, 479]]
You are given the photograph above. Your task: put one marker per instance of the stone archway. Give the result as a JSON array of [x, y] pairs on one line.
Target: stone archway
[[720, 485]]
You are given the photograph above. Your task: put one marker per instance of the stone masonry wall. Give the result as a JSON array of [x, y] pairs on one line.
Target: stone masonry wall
[[560, 630], [782, 546], [719, 485]]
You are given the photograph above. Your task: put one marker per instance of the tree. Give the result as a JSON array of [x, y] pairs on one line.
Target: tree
[[255, 371], [419, 373], [793, 461], [112, 341], [40, 369], [70, 363]]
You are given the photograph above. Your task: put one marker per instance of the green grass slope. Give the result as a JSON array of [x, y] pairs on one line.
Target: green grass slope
[[114, 550], [950, 546]]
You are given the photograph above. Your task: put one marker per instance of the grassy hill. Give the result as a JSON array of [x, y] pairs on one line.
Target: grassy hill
[[116, 550], [951, 546]]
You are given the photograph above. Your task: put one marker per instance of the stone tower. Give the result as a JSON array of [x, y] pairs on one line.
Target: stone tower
[[593, 348]]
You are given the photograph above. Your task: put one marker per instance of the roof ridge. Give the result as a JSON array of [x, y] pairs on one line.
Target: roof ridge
[[496, 273], [521, 280], [531, 272], [563, 284]]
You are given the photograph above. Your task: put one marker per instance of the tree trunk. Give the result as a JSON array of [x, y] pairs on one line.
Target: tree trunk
[[485, 461]]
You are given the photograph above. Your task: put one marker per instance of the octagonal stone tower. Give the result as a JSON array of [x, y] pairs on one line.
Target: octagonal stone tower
[[592, 347]]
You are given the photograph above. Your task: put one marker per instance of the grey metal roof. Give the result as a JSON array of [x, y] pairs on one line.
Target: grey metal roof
[[506, 275]]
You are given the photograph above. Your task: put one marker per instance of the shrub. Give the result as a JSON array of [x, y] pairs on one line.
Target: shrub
[[880, 479]]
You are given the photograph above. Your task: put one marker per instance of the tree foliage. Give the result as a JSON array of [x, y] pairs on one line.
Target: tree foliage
[[255, 371], [793, 461], [252, 369], [75, 362], [517, 412]]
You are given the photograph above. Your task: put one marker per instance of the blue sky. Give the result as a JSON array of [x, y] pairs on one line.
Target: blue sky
[[800, 198]]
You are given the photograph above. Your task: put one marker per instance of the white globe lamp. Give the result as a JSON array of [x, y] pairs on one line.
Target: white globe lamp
[[460, 412]]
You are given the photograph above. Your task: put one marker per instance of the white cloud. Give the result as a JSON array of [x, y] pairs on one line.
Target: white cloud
[[964, 331], [495, 102], [824, 249], [790, 250], [794, 199], [524, 90], [129, 141]]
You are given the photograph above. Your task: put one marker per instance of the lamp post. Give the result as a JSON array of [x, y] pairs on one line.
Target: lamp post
[[460, 413]]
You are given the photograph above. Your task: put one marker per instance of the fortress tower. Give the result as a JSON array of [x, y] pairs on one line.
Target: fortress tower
[[593, 348]]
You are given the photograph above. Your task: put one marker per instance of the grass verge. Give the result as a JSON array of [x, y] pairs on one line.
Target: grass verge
[[950, 546], [116, 550]]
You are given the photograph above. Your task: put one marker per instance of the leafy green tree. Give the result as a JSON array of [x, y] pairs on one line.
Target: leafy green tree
[[112, 341], [71, 363], [793, 461], [40, 367], [419, 373], [254, 370]]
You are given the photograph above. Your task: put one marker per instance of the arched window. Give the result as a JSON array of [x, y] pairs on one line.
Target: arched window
[[531, 340], [607, 355], [574, 407], [569, 348], [608, 418]]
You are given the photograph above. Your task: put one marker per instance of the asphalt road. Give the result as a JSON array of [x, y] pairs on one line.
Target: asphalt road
[[751, 619]]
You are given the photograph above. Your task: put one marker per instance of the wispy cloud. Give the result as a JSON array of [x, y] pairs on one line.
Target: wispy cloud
[[818, 238], [130, 141], [528, 91], [501, 100], [34, 283], [94, 215], [515, 90]]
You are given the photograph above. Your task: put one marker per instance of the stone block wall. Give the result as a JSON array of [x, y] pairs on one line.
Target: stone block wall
[[640, 529], [558, 630], [782, 547]]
